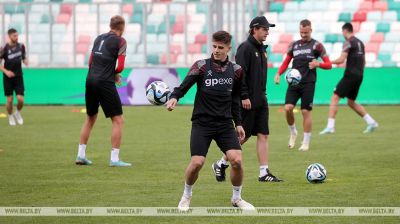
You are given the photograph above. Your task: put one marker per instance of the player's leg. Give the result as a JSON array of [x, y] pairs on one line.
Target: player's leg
[[235, 158], [9, 108], [307, 99], [292, 96], [200, 140], [333, 109], [116, 136], [19, 90]]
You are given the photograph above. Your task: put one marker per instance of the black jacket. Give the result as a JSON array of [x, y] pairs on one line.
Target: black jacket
[[252, 57]]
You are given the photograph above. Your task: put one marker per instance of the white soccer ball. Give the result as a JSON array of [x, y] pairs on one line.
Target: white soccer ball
[[293, 77], [316, 173], [158, 93]]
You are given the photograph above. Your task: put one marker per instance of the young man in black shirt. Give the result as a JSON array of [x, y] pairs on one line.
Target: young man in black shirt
[[13, 53], [354, 54], [216, 104], [252, 57], [102, 76]]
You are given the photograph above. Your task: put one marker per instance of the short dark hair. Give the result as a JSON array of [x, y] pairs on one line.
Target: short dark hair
[[11, 31], [117, 22], [348, 27], [305, 22], [222, 36]]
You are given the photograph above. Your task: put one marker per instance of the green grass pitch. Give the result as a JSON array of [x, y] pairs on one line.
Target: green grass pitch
[[37, 166]]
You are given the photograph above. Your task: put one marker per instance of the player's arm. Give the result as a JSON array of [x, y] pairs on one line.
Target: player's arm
[[236, 95], [326, 63], [242, 58], [7, 72], [282, 68], [120, 61], [341, 59], [24, 58], [191, 78]]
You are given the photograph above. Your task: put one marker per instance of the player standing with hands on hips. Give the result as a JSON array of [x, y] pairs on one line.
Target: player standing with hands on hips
[[102, 76], [216, 104], [13, 53], [304, 53], [252, 57]]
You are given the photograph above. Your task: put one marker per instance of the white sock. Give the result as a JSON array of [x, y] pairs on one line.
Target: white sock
[[331, 123], [263, 170], [293, 129], [187, 191], [369, 119], [237, 190], [114, 155], [222, 161], [82, 151], [16, 112], [307, 137]]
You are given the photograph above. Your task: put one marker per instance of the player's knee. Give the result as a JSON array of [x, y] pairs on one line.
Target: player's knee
[[9, 99], [236, 162], [197, 163], [118, 120], [289, 107], [350, 103]]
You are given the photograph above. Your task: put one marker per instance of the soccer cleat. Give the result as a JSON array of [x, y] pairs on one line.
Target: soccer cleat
[[292, 140], [119, 163], [327, 131], [184, 203], [82, 161], [19, 118], [269, 178], [240, 203], [304, 147], [370, 128], [11, 120], [219, 171]]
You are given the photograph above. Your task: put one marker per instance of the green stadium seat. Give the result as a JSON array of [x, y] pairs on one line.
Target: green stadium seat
[[384, 57], [389, 64], [394, 6], [204, 48], [85, 1], [383, 27], [137, 18], [162, 28], [26, 1], [275, 58], [153, 59], [331, 38], [151, 29], [345, 17], [276, 7], [202, 8]]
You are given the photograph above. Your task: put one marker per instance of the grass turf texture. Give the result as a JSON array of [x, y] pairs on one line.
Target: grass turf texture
[[37, 166]]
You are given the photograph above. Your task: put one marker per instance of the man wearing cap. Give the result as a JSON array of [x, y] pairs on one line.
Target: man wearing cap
[[252, 57]]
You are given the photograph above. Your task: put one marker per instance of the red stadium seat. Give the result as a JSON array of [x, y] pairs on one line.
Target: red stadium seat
[[377, 38], [360, 16], [366, 6], [66, 9], [194, 48], [286, 38], [63, 18], [178, 28], [172, 58], [127, 8], [84, 39], [372, 47], [201, 39], [381, 5], [82, 48], [181, 19], [280, 48], [175, 49], [356, 26]]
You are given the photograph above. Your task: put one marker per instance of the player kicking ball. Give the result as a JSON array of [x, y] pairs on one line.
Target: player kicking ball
[[216, 104]]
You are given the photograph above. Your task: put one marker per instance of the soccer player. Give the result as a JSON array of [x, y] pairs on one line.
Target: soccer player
[[102, 76], [216, 104], [13, 53], [354, 54], [252, 57], [304, 53]]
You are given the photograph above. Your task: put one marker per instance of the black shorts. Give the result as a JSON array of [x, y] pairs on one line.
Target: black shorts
[[255, 121], [305, 91], [223, 133], [348, 87], [13, 84], [104, 94]]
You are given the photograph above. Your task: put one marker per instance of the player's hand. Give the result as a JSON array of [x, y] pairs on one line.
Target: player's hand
[[277, 79], [26, 62], [246, 104], [9, 73], [118, 79], [313, 64], [240, 132], [171, 104]]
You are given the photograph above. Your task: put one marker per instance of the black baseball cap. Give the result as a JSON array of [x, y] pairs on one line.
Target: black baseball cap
[[260, 21]]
